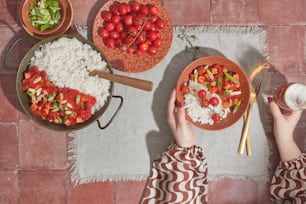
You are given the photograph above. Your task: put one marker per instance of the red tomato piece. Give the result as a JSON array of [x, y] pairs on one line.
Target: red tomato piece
[[202, 93], [185, 89], [214, 101], [204, 102], [216, 117]]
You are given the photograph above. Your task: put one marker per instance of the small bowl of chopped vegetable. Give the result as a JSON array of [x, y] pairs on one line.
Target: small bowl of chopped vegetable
[[215, 91], [43, 18]]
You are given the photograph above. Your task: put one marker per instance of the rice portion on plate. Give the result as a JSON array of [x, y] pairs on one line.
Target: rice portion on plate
[[198, 113], [67, 62]]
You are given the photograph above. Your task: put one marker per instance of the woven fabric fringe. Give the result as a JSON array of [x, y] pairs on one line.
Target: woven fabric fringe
[[244, 30]]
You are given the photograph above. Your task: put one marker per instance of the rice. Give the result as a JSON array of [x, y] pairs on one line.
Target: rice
[[194, 109], [67, 62]]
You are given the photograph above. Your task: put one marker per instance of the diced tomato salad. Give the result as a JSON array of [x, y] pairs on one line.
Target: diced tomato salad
[[59, 105], [216, 78]]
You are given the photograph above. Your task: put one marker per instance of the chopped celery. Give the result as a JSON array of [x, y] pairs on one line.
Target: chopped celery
[[44, 14]]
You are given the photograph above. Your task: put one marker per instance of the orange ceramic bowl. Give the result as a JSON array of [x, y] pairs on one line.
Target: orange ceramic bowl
[[66, 16], [244, 84]]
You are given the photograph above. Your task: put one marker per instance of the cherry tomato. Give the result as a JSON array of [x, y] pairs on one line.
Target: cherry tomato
[[106, 15], [114, 34], [152, 35], [130, 50], [143, 47], [202, 93], [153, 18], [216, 117], [148, 25], [135, 6], [141, 38], [160, 24], [152, 50], [157, 43], [110, 42], [153, 10], [137, 21], [128, 20], [116, 19], [144, 9], [103, 33], [123, 9], [214, 101], [115, 9], [132, 30], [109, 26], [128, 39], [118, 43], [119, 27]]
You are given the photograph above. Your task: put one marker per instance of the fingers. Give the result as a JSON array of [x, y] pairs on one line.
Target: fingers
[[170, 111], [181, 115], [275, 110]]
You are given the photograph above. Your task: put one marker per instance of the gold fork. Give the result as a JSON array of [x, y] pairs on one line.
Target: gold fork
[[254, 92]]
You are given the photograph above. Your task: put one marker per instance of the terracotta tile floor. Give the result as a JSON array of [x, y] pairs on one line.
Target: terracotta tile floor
[[33, 160]]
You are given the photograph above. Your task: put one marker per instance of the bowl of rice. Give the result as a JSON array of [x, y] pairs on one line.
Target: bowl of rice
[[54, 87], [215, 92]]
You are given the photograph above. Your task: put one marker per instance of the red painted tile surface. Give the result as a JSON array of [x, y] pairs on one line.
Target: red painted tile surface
[[86, 11], [232, 191], [193, 12], [93, 193], [282, 12], [286, 47], [40, 148], [129, 192], [234, 12], [9, 187], [263, 195], [9, 12], [8, 99], [8, 146], [42, 187]]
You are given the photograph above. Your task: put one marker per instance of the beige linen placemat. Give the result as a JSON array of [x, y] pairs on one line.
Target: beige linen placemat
[[126, 148]]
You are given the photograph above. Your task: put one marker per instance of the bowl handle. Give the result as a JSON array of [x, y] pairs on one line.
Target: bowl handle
[[110, 121], [9, 50]]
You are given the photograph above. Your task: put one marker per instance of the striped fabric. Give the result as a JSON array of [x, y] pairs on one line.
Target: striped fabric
[[289, 181], [178, 175]]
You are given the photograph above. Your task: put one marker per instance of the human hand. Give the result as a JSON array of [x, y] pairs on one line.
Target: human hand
[[181, 129], [284, 124]]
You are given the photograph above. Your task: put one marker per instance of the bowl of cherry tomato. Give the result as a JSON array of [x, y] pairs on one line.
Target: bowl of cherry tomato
[[215, 92], [134, 35]]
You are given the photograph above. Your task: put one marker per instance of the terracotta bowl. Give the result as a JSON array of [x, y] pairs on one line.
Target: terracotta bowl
[[231, 66], [65, 17]]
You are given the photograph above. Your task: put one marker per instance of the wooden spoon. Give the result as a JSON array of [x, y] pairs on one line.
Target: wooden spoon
[[129, 81]]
